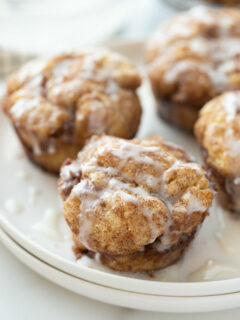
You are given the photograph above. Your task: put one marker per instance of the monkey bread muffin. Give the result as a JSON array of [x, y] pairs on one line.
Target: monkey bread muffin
[[218, 131], [57, 103], [136, 204], [193, 58]]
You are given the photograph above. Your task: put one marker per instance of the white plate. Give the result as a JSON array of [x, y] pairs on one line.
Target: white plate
[[119, 297], [52, 242]]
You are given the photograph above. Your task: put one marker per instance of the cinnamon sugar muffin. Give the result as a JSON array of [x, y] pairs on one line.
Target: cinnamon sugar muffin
[[136, 203], [218, 131], [193, 58], [55, 104]]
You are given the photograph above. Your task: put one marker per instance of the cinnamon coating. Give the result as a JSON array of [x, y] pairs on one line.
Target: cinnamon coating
[[57, 103], [218, 131], [148, 258], [136, 200], [191, 59]]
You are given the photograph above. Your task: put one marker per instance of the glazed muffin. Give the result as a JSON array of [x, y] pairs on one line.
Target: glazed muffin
[[193, 58], [136, 204], [218, 131], [55, 104]]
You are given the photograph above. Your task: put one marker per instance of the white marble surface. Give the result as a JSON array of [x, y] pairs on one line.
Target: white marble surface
[[25, 295]]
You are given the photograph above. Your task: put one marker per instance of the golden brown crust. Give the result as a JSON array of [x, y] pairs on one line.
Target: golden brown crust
[[120, 196], [57, 103], [218, 131], [228, 2], [148, 259], [194, 57], [228, 188]]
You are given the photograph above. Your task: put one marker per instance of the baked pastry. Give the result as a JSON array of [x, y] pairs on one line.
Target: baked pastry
[[227, 2], [193, 58], [136, 203], [218, 131], [57, 103]]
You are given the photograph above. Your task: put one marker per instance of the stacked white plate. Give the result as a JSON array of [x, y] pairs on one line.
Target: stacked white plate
[[33, 228]]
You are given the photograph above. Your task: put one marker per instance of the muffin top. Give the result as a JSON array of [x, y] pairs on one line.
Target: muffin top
[[74, 95], [218, 130], [196, 55], [121, 195]]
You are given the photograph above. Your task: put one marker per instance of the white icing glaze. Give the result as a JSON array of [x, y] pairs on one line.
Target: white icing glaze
[[91, 200], [97, 118], [23, 106], [86, 261], [30, 107], [199, 45], [23, 175], [36, 148], [139, 153], [31, 69], [194, 204], [217, 75], [35, 83], [33, 193], [164, 244], [201, 14], [177, 69], [231, 104], [51, 149], [92, 68], [69, 170], [62, 69], [13, 206], [127, 197], [127, 151], [112, 87], [49, 225], [237, 181], [216, 270]]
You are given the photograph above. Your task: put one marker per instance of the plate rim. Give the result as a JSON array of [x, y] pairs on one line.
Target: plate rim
[[118, 297], [173, 289]]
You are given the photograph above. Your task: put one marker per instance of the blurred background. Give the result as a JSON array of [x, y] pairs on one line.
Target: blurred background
[[38, 26], [34, 27]]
